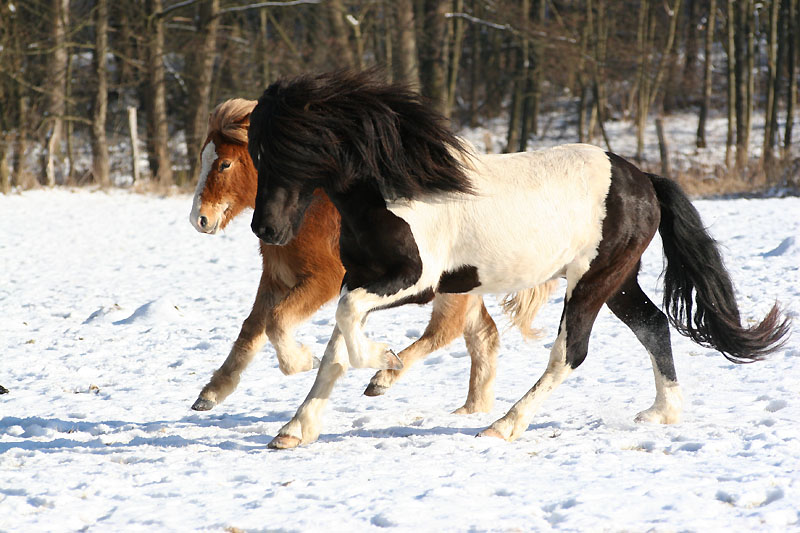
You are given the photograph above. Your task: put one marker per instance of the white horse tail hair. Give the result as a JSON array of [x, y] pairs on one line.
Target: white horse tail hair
[[521, 308]]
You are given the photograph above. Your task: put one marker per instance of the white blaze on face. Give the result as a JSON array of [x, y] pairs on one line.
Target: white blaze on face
[[207, 159]]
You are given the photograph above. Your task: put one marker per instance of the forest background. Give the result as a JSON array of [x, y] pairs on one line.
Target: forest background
[[117, 93]]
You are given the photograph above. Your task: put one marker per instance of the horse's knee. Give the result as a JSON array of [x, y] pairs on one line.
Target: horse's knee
[[481, 333], [344, 309]]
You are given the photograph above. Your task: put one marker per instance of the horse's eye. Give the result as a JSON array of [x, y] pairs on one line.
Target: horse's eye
[[224, 165]]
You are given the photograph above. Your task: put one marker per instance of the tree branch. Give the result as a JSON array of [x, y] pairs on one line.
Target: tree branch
[[267, 4], [164, 12]]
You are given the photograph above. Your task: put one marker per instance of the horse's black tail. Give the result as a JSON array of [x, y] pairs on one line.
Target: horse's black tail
[[698, 293]]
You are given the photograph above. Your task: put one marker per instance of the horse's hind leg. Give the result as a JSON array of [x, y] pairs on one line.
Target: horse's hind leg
[[251, 339], [454, 314], [631, 305], [447, 322], [483, 343], [585, 296]]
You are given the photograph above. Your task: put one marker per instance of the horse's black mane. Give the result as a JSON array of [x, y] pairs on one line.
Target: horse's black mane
[[346, 126]]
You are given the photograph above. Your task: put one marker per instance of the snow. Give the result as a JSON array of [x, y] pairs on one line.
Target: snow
[[114, 312]]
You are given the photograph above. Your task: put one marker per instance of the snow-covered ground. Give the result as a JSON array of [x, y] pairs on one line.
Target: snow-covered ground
[[114, 312]]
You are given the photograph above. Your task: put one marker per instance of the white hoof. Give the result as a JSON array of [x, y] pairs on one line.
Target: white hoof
[[656, 416]]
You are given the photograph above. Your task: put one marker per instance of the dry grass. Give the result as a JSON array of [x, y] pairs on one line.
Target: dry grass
[[782, 179]]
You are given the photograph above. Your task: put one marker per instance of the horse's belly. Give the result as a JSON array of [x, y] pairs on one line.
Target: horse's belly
[[523, 264]]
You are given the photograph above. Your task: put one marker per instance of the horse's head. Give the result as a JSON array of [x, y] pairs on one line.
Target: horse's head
[[227, 182], [280, 207], [287, 162]]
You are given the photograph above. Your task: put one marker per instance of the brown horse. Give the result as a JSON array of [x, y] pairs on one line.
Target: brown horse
[[301, 276]]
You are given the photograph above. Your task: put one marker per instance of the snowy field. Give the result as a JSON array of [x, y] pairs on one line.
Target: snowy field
[[114, 312]]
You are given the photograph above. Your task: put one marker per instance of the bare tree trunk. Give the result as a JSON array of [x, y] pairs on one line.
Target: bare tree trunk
[[433, 68], [16, 101], [691, 46], [133, 129], [529, 66], [458, 40], [536, 57], [20, 139], [200, 69], [663, 147], [774, 66], [100, 163], [733, 93], [597, 34], [742, 41], [515, 110], [707, 73], [388, 17], [407, 66], [263, 47], [5, 175], [674, 14], [792, 20], [342, 54], [355, 24], [56, 95], [69, 125], [475, 70], [751, 78], [642, 95], [580, 73], [158, 132]]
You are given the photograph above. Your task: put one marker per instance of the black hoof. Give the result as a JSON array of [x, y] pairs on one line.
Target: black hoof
[[375, 390], [201, 404], [3, 390]]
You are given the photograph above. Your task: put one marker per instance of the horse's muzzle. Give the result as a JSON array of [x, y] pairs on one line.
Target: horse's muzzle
[[270, 235]]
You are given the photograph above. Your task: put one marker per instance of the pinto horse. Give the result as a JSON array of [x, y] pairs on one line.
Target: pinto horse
[[421, 214], [298, 278]]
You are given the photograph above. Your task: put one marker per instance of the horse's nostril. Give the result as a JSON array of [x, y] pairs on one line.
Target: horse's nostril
[[203, 221]]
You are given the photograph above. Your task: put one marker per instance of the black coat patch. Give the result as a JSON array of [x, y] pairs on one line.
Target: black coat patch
[[376, 246], [461, 280]]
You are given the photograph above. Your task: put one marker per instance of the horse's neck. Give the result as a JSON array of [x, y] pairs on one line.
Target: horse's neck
[[357, 201]]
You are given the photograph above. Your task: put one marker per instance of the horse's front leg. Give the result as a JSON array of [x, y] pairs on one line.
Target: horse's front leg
[[251, 339], [302, 301], [446, 323], [306, 424], [351, 314]]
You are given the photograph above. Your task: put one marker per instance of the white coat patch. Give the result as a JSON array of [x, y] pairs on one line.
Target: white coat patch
[[207, 159], [534, 216]]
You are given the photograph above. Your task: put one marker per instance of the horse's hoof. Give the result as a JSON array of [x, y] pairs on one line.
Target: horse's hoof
[[392, 361], [3, 390], [201, 404], [375, 390], [284, 442], [489, 432], [465, 411], [653, 416]]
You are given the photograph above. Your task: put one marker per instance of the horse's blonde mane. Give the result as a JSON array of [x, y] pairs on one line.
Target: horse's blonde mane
[[227, 116]]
